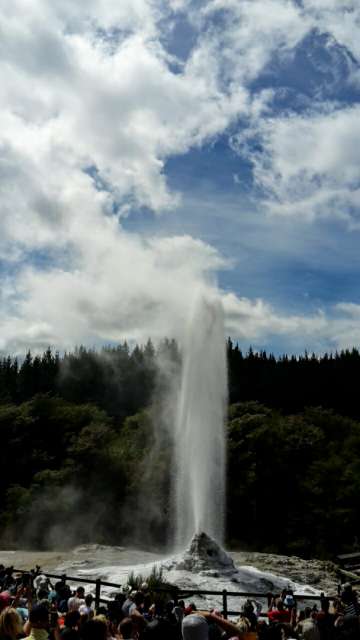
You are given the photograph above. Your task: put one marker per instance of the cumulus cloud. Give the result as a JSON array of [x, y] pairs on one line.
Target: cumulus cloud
[[308, 164], [340, 18], [92, 106], [256, 321]]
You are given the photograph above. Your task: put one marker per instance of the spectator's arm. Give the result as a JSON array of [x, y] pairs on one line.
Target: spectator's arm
[[293, 617], [138, 618], [225, 625], [27, 627], [56, 630], [19, 593]]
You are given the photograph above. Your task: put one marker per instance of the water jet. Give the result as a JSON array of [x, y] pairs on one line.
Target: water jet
[[199, 442]]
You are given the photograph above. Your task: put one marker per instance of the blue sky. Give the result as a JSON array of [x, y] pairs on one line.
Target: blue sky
[[153, 149]]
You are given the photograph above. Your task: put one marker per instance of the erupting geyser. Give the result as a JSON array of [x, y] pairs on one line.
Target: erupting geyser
[[199, 429]]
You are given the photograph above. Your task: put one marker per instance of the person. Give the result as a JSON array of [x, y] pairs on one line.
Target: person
[[5, 600], [86, 608], [42, 585], [243, 624], [70, 631], [127, 604], [195, 627], [94, 629], [325, 620], [37, 627], [289, 600], [115, 608], [347, 627], [10, 624], [248, 612], [308, 629], [137, 602], [230, 628], [74, 603], [349, 601], [279, 613], [126, 629], [287, 632]]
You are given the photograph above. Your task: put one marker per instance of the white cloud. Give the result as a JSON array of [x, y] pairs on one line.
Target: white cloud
[[340, 18], [90, 85], [255, 321], [308, 165]]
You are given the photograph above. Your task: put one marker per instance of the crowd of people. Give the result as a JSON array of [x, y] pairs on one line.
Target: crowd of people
[[32, 607]]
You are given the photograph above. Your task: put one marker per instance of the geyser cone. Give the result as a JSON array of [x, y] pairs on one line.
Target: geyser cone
[[199, 437], [204, 554]]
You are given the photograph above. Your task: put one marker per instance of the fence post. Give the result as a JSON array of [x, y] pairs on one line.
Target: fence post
[[97, 593], [225, 609]]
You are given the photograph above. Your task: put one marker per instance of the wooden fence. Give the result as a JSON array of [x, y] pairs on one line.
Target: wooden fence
[[175, 592]]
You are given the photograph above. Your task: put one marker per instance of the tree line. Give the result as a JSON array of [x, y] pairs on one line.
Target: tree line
[[122, 380], [80, 444]]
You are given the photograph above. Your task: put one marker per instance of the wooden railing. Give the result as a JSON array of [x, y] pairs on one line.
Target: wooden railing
[[175, 592]]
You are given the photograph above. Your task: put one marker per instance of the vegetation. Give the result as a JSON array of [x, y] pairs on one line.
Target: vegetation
[[154, 581], [80, 461]]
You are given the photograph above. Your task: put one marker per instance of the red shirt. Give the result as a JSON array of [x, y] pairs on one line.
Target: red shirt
[[282, 615]]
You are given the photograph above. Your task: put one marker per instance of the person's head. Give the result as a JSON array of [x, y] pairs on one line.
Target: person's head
[[89, 599], [243, 624], [248, 607], [5, 600], [119, 597], [10, 623], [42, 594], [94, 629], [301, 615], [308, 612], [138, 598], [80, 592], [126, 628], [195, 627], [59, 586], [178, 613], [72, 619], [325, 604], [169, 606], [39, 616]]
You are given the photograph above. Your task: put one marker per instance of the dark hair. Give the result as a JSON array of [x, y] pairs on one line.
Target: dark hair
[[26, 579], [94, 630], [325, 604], [126, 627], [39, 614], [139, 597], [72, 618]]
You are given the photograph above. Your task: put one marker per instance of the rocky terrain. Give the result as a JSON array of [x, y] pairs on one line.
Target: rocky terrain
[[323, 576]]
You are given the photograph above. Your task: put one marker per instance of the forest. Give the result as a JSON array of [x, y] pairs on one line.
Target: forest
[[85, 454]]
